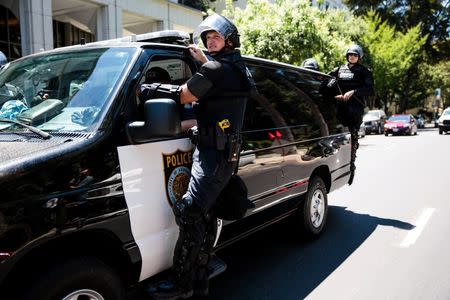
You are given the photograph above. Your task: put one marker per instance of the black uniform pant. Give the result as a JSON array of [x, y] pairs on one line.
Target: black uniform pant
[[195, 216]]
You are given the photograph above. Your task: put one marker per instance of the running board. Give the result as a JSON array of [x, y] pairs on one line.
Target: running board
[[216, 266]]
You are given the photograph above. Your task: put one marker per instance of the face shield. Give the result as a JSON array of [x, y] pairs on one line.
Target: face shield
[[214, 22]]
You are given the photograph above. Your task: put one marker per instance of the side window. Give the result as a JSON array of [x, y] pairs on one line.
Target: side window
[[165, 69], [284, 107], [316, 110]]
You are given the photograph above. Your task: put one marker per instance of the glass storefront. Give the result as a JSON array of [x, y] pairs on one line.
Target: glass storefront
[[10, 40]]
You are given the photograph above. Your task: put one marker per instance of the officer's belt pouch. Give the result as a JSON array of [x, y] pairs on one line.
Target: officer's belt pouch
[[232, 203], [213, 137]]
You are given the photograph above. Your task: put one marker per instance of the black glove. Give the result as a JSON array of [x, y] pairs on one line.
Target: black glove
[[158, 90]]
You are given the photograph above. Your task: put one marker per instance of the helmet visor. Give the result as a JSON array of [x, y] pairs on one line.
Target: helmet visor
[[214, 22]]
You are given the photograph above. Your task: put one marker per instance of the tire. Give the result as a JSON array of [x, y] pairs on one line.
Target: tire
[[313, 210], [386, 134], [440, 131], [87, 278]]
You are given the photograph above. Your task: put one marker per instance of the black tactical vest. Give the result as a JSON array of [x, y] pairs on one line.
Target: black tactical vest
[[227, 99]]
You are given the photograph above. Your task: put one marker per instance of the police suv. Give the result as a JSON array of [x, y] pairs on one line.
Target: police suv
[[88, 174]]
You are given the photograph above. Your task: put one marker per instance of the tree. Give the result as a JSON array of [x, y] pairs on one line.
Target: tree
[[393, 56], [432, 17], [291, 31]]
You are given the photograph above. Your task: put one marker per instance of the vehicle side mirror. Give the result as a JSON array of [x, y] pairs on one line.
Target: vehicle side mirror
[[162, 119]]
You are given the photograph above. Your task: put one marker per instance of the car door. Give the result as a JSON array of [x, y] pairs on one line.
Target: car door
[[262, 150], [156, 173]]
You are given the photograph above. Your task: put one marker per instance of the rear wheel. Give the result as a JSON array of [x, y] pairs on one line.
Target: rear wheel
[[440, 131], [313, 210], [80, 278]]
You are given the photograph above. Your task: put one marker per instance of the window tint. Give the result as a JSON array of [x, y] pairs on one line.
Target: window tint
[[288, 107]]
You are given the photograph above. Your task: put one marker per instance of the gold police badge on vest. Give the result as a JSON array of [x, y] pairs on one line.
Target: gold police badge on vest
[[177, 171]]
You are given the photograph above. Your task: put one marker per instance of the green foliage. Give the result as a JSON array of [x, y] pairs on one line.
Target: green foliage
[[291, 31], [432, 15], [393, 56]]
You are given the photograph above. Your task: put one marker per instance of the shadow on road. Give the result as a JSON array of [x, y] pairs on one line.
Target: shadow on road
[[275, 264]]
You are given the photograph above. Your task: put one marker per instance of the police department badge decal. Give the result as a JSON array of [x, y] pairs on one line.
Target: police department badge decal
[[177, 171]]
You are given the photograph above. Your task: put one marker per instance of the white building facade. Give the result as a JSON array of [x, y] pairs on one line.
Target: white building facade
[[29, 26]]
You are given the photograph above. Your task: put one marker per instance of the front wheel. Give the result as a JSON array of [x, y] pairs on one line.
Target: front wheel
[[313, 210], [81, 278]]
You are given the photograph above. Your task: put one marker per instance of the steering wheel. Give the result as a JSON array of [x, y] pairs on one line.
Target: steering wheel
[[42, 94]]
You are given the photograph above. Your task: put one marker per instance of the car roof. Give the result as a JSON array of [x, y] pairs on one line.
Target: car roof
[[161, 39]]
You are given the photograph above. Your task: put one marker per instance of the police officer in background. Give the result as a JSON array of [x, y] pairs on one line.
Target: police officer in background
[[220, 89], [354, 84], [310, 63]]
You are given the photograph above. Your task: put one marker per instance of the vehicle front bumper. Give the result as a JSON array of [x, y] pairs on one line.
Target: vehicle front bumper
[[397, 130], [444, 127], [371, 126]]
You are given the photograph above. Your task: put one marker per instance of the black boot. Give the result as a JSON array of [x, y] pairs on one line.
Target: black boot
[[352, 175], [201, 288], [169, 290]]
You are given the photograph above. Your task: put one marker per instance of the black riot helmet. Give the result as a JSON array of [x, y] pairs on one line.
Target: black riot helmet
[[220, 24], [310, 63], [355, 49]]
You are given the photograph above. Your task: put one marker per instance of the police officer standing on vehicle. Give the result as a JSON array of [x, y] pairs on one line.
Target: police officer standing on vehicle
[[354, 84], [220, 90]]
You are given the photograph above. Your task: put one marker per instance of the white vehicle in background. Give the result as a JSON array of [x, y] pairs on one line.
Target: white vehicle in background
[[444, 121]]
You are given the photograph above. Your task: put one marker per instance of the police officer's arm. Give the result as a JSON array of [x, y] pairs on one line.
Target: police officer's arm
[[366, 89], [202, 82], [328, 86], [195, 88]]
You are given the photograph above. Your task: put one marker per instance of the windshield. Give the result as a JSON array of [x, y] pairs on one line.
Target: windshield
[[446, 112], [399, 119], [61, 91]]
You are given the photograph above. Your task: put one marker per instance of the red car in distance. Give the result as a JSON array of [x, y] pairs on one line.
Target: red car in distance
[[400, 124]]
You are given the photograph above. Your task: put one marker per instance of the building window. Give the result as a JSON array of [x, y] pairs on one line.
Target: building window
[[65, 34], [10, 40]]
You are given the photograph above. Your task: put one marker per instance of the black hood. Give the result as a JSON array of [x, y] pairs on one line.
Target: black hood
[[17, 151]]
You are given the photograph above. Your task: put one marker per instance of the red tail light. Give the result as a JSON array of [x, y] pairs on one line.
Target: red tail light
[[4, 255]]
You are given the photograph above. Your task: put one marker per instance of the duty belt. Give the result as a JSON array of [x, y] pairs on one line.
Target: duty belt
[[214, 137]]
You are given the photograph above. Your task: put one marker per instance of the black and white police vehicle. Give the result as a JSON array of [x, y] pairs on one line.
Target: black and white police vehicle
[[88, 174]]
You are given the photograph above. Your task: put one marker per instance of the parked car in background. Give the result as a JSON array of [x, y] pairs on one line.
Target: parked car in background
[[374, 121], [400, 124], [420, 121], [362, 130], [444, 121]]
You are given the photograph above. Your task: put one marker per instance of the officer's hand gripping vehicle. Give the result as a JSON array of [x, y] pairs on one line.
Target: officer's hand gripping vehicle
[[88, 174]]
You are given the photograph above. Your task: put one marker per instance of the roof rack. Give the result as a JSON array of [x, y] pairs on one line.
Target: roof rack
[[174, 37]]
